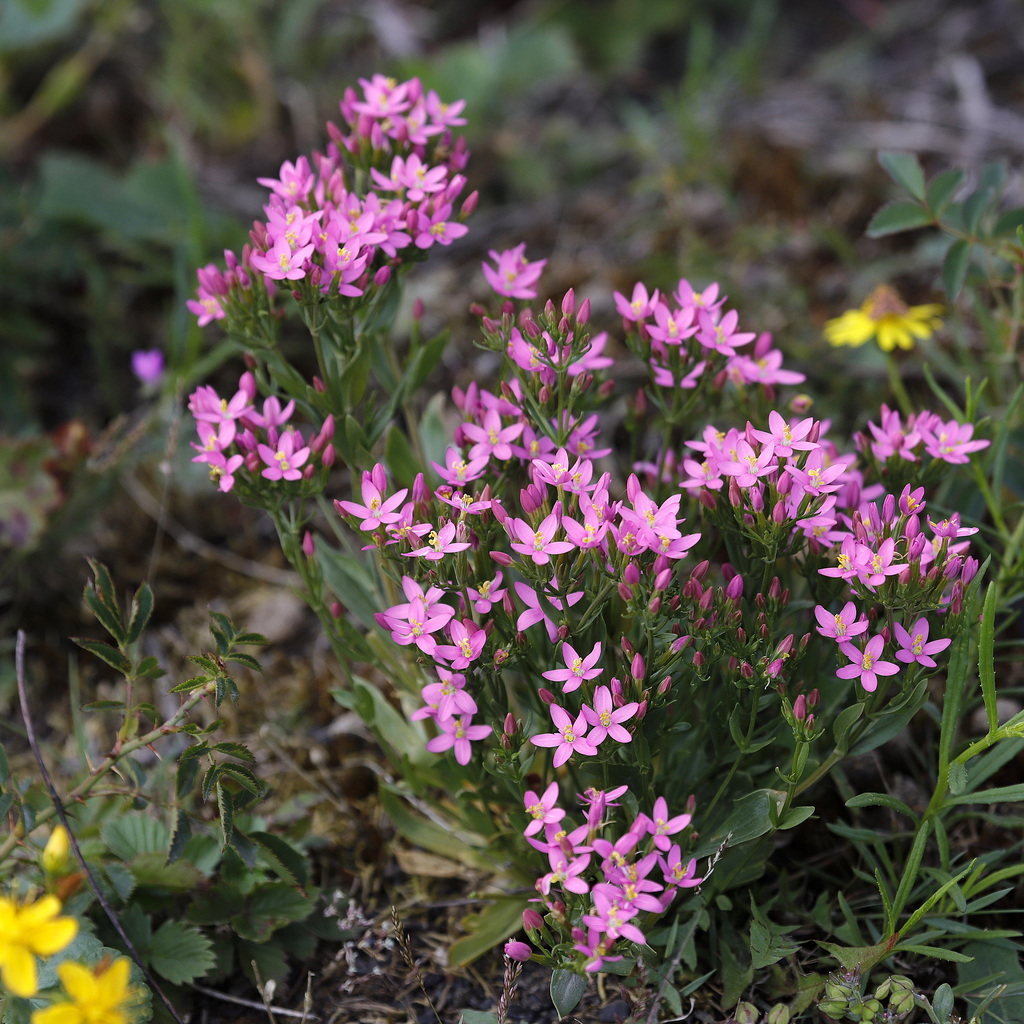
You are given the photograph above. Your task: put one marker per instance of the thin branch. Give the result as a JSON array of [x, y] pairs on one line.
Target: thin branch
[[249, 1003], [19, 668]]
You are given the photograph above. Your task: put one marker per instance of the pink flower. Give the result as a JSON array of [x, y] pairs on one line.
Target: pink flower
[[879, 564], [458, 733], [492, 438], [534, 613], [439, 543], [950, 441], [489, 593], [569, 739], [376, 510], [786, 437], [607, 722], [661, 826], [512, 275], [148, 365], [542, 809], [516, 950], [842, 625], [286, 462], [468, 641], [639, 307], [538, 544], [438, 228], [915, 646], [865, 664], [280, 263], [577, 669], [457, 471]]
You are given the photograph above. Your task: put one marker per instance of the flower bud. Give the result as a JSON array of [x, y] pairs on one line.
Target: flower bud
[[747, 670], [308, 544], [664, 686], [735, 494], [546, 696], [632, 574], [503, 558], [516, 950], [337, 611], [510, 725], [569, 303], [698, 659], [952, 568], [469, 204], [57, 852], [625, 591], [327, 459], [734, 589], [532, 921], [707, 499], [800, 708], [638, 667]]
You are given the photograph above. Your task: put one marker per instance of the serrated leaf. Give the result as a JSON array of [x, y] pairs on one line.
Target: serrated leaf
[[767, 946], [180, 952], [238, 750], [942, 188], [902, 215], [954, 268], [226, 807], [1008, 222], [256, 639], [150, 668], [180, 837], [114, 658], [121, 878], [567, 990], [269, 957], [905, 170], [130, 835], [245, 777], [141, 610], [286, 856], [244, 659]]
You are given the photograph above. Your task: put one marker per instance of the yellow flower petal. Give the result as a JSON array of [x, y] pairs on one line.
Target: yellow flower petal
[[18, 971], [59, 1013]]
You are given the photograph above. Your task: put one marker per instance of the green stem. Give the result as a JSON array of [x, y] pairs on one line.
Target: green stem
[[896, 383]]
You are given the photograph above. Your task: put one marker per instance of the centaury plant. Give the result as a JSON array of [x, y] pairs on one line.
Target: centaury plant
[[617, 672]]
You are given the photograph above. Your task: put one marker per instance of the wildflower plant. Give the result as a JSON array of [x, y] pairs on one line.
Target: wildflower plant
[[615, 681]]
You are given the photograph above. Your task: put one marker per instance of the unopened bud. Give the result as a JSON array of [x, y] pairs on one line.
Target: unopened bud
[[638, 667], [664, 686], [707, 499], [800, 708], [625, 592], [546, 696], [503, 558], [382, 276], [569, 303], [698, 659], [308, 545], [510, 726], [336, 610], [632, 574]]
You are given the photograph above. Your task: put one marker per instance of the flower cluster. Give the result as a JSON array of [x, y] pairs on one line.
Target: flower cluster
[[322, 230], [234, 436], [598, 884], [686, 337]]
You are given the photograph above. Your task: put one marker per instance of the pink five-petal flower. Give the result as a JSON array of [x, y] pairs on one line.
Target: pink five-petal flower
[[468, 641], [950, 441], [865, 665], [512, 276], [287, 461], [915, 645], [569, 739], [538, 544], [534, 613], [640, 306], [376, 510], [542, 809], [606, 721], [661, 826], [439, 543], [457, 733], [576, 668], [841, 625]]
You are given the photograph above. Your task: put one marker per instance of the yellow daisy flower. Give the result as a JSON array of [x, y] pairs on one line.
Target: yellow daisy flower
[[99, 996], [28, 930], [887, 318]]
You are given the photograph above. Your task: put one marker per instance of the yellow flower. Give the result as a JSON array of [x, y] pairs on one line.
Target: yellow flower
[[99, 996], [28, 930], [887, 318]]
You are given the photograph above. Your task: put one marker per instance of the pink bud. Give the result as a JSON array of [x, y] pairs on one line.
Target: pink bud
[[546, 695], [747, 670], [308, 545], [510, 725], [664, 686], [632, 574], [785, 484], [625, 592], [469, 205], [970, 570], [756, 493], [735, 494], [420, 491], [336, 609], [544, 395], [516, 950], [654, 605], [382, 276], [583, 314], [800, 708], [563, 632], [502, 558], [378, 477], [679, 644], [779, 512], [417, 310], [532, 921], [952, 568], [698, 659], [638, 668], [318, 386], [499, 512], [707, 499], [734, 589], [663, 579]]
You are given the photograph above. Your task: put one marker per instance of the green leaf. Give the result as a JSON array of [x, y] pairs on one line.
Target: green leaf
[[181, 835], [881, 800], [861, 958], [399, 456], [180, 952], [942, 188], [998, 795], [795, 816], [121, 879], [105, 705], [750, 818], [1008, 222], [133, 834], [892, 721], [1003, 959], [902, 215], [142, 609], [478, 1017], [986, 663], [424, 362], [905, 170], [974, 208], [114, 658], [954, 268], [844, 722], [286, 858], [272, 905], [495, 923], [567, 990], [453, 843]]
